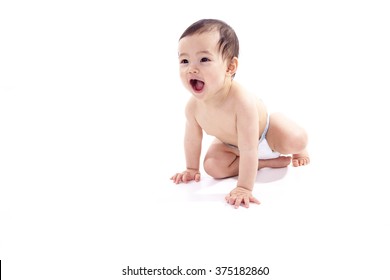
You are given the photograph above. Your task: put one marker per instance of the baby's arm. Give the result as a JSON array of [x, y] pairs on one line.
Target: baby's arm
[[247, 131], [192, 147]]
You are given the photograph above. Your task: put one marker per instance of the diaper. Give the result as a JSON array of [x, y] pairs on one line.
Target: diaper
[[264, 151]]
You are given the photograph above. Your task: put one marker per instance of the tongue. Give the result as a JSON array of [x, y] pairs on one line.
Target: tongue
[[199, 85]]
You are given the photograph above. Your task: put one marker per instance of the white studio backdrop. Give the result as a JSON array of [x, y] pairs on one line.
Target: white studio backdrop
[[91, 129]]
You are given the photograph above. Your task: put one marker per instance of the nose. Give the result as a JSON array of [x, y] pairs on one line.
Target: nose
[[192, 69]]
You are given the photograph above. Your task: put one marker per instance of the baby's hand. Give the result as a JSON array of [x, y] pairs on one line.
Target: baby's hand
[[186, 176], [241, 195]]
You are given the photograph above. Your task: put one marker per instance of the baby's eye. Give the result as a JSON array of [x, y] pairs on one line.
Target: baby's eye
[[204, 59], [183, 61]]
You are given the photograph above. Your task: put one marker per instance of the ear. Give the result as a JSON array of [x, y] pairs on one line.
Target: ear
[[232, 67]]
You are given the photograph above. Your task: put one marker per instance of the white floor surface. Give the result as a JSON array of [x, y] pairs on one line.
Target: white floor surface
[[91, 127]]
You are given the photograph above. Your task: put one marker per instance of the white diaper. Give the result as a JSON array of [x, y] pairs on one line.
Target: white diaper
[[265, 152]]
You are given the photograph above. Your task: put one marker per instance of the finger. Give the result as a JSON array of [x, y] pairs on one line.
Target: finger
[[197, 177], [185, 177], [174, 177], [254, 200], [232, 200], [246, 202], [178, 178], [238, 202], [229, 199]]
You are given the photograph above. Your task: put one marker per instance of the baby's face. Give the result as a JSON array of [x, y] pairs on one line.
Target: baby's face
[[203, 70]]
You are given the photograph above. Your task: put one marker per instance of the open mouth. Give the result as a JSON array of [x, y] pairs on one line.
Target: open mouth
[[197, 85]]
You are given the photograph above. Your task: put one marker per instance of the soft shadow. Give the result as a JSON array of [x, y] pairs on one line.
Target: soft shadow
[[268, 175], [217, 197], [210, 189]]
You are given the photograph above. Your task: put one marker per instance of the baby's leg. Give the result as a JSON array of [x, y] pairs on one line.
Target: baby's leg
[[286, 137], [279, 162], [222, 161]]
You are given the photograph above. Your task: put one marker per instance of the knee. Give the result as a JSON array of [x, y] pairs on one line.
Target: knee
[[213, 168], [298, 140]]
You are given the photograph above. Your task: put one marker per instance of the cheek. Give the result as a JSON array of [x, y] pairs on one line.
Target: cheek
[[218, 72], [217, 77], [182, 71], [182, 75]]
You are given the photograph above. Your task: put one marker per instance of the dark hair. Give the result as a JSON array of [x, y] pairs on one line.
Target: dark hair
[[228, 41]]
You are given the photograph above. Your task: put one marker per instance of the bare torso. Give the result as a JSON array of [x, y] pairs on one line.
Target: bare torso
[[221, 121]]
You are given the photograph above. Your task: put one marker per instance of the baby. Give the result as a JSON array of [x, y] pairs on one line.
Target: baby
[[247, 138]]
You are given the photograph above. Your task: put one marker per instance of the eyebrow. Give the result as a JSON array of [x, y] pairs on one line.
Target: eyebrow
[[201, 52]]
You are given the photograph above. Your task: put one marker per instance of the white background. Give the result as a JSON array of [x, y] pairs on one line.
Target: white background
[[91, 129]]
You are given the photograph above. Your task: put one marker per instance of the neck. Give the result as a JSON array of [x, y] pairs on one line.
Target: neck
[[220, 96]]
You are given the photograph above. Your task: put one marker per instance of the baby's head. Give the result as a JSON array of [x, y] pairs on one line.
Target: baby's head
[[228, 41]]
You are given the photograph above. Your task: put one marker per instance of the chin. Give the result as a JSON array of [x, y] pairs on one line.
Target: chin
[[198, 95]]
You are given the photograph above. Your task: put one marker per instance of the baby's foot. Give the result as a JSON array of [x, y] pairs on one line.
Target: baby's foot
[[278, 162], [300, 159]]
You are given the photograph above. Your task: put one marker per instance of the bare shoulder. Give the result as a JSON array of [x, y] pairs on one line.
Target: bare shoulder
[[245, 101], [190, 109]]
